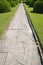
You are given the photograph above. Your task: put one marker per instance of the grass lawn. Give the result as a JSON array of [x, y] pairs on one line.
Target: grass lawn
[[37, 21], [5, 19]]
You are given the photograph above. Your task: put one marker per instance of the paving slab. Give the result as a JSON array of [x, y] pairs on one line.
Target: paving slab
[[2, 58], [18, 46], [22, 59]]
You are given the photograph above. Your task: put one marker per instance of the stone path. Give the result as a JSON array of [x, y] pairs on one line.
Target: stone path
[[18, 46]]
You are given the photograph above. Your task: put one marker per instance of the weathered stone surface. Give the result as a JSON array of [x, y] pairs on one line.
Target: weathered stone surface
[[22, 59], [3, 58]]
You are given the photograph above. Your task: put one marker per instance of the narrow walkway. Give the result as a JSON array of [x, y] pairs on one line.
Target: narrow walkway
[[18, 46]]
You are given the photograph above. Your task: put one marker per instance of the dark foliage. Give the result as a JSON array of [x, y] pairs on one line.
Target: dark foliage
[[38, 7], [13, 3], [31, 4], [4, 6]]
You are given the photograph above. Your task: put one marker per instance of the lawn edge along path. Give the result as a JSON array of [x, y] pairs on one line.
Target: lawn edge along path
[[5, 19], [37, 39], [39, 47]]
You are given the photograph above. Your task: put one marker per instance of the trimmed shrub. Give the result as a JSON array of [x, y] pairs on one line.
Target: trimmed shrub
[[31, 4], [38, 7], [26, 1], [34, 0], [4, 6], [13, 3]]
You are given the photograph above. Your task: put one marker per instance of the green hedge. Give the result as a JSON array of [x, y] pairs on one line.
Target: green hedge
[[26, 1], [31, 4], [38, 7], [13, 3], [4, 6]]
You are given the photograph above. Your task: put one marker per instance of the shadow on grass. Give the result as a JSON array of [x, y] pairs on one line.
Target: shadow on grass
[[35, 12], [4, 12]]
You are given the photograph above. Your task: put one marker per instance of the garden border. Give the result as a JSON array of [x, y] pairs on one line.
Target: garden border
[[39, 48]]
